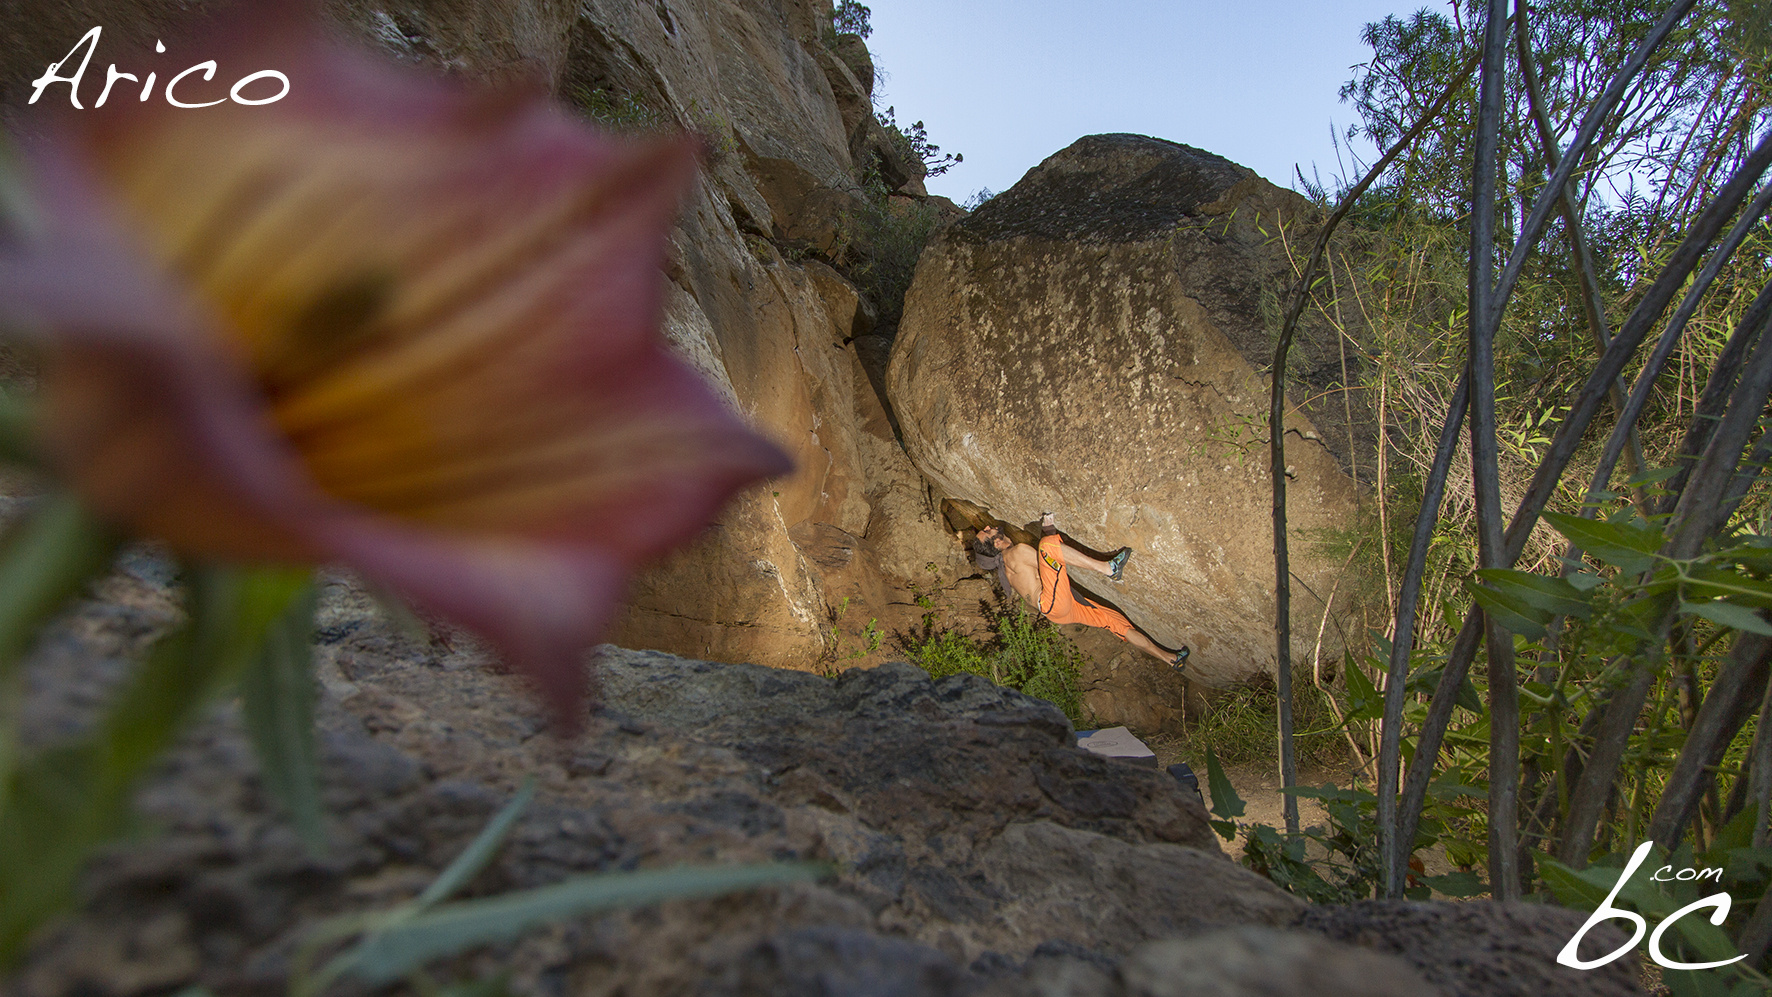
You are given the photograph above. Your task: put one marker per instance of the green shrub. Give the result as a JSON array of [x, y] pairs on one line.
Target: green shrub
[[622, 112], [893, 232], [849, 17], [950, 653], [1240, 725], [912, 142], [1024, 652]]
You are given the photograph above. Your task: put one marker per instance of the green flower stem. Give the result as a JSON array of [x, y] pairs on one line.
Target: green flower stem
[[16, 211], [44, 561], [18, 417]]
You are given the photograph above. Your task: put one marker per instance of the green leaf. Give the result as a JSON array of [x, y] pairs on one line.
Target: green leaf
[[1709, 983], [1640, 616], [1364, 701], [230, 613], [1751, 557], [1426, 680], [1555, 596], [1729, 615], [1458, 884], [1652, 477], [1584, 889], [1423, 680], [18, 431], [1742, 863], [277, 696], [1737, 834], [46, 558], [389, 954], [1447, 789], [237, 608], [1706, 582], [1511, 611], [45, 561], [1587, 888], [66, 801], [474, 858], [1631, 547], [53, 816], [1583, 581], [1464, 851], [1226, 804]]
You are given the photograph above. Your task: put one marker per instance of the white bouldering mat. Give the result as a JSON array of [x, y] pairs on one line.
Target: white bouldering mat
[[1117, 742]]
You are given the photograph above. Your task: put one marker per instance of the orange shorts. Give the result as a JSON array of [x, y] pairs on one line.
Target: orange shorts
[[1060, 606]]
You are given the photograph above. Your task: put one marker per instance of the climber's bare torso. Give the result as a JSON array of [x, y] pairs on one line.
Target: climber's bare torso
[[1022, 567]]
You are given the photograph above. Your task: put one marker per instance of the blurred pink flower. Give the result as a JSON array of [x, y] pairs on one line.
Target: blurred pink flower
[[386, 321]]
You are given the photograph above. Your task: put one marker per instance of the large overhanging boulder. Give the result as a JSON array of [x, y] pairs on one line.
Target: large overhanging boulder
[[1083, 344]]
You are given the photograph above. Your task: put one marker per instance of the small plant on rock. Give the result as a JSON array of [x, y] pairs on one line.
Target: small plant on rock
[[1024, 652], [913, 144], [851, 18]]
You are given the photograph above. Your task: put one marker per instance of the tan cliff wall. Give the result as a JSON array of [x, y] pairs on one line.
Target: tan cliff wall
[[778, 98]]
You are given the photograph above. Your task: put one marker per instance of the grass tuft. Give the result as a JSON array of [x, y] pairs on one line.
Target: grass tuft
[[1024, 652]]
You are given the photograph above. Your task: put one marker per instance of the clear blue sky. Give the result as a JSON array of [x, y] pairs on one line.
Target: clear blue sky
[[1009, 82]]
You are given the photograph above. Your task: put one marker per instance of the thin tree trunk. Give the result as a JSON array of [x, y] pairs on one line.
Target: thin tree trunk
[[1591, 123], [1593, 304], [1718, 720], [1563, 445], [1695, 519], [1716, 390], [1394, 846], [1617, 716], [1757, 932], [1277, 442], [1761, 785], [1484, 317], [1730, 358], [1748, 473]]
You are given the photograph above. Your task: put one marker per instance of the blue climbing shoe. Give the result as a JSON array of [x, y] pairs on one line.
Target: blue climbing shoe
[[1179, 662], [1118, 563]]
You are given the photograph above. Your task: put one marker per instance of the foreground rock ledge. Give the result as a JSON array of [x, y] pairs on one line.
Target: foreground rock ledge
[[980, 852]]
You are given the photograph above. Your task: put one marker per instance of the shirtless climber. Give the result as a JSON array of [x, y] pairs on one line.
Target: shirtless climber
[[1043, 579]]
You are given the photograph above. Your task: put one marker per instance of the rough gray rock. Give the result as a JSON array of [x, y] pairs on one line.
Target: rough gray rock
[[1482, 947], [1256, 962], [1247, 961], [979, 853], [939, 802], [1088, 342]]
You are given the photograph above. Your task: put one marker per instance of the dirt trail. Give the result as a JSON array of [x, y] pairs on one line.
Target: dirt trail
[[1263, 803], [1258, 783]]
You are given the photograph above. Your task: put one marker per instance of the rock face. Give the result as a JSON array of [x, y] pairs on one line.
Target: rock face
[[789, 124], [1254, 960], [1483, 948], [1086, 342], [966, 828], [779, 108], [978, 853]]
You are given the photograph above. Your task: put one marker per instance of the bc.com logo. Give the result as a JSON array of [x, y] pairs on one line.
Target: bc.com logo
[[1605, 912]]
